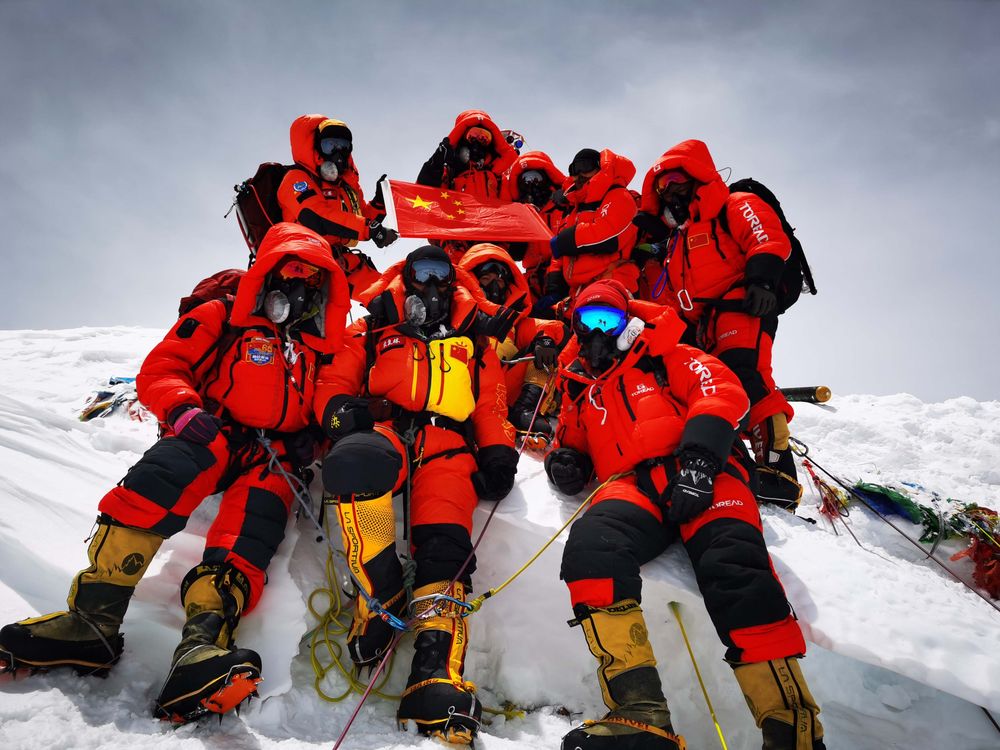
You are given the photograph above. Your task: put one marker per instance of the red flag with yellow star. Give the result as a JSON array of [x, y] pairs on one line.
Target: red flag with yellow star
[[422, 211]]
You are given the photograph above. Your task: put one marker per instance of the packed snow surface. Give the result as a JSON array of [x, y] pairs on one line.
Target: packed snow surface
[[901, 654]]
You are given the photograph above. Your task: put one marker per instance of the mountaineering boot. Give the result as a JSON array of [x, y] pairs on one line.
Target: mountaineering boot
[[523, 409], [781, 704], [776, 474], [437, 699], [86, 637], [368, 531], [208, 673], [638, 718]]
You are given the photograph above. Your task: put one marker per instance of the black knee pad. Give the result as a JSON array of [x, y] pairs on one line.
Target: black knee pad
[[734, 574], [362, 463], [743, 362], [612, 540], [439, 551]]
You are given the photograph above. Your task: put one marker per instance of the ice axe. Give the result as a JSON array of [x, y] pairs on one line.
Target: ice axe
[[811, 394]]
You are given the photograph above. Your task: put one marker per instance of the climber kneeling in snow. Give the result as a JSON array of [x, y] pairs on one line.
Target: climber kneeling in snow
[[636, 401], [223, 383], [416, 403]]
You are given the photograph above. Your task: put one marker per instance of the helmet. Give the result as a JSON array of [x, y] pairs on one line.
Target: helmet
[[600, 314]]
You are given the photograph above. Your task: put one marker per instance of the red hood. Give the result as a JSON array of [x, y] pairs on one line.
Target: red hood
[[483, 252], [530, 160], [503, 153], [615, 170], [303, 138], [693, 157], [663, 332], [281, 241]]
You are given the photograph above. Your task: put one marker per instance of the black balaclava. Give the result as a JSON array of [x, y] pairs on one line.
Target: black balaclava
[[497, 290], [427, 305], [537, 192], [288, 301], [334, 164]]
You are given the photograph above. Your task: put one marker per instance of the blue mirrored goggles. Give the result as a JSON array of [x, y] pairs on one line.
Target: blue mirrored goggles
[[610, 320], [328, 146], [424, 270]]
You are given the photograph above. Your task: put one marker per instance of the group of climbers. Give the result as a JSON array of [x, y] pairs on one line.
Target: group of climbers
[[636, 345]]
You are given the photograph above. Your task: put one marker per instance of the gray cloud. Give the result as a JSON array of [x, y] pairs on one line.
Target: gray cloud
[[125, 126]]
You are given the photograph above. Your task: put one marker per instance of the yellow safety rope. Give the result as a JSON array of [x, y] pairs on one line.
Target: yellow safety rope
[[325, 650], [476, 603], [676, 609]]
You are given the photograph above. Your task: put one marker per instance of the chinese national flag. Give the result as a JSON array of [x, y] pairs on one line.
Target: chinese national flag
[[422, 211]]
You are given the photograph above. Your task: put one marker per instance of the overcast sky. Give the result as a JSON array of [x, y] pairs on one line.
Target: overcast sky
[[124, 126]]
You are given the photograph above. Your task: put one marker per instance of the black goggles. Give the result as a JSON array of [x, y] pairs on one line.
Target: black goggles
[[331, 146], [585, 164], [424, 270], [532, 178], [494, 267]]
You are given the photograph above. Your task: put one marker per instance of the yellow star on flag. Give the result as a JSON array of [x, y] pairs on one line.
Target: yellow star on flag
[[419, 202], [461, 210], [449, 216], [444, 193]]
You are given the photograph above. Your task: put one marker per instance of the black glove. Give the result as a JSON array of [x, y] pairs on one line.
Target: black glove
[[380, 235], [568, 469], [346, 414], [378, 202], [193, 424], [302, 447], [497, 325], [693, 486], [555, 285], [497, 467], [546, 353], [759, 301], [651, 225]]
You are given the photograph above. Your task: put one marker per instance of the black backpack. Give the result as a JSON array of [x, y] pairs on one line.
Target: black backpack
[[256, 203], [797, 277]]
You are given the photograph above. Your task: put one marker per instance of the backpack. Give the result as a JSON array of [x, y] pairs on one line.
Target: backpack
[[256, 203], [220, 285], [797, 276]]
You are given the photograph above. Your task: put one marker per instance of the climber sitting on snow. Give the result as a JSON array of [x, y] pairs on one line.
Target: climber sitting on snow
[[218, 382], [664, 416]]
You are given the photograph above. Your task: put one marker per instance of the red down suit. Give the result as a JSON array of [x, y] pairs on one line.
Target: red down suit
[[730, 240], [634, 417], [335, 210], [238, 367]]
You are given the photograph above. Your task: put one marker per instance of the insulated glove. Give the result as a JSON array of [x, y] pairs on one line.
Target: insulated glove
[[693, 486], [378, 202], [497, 325], [301, 447], [380, 235], [497, 467], [346, 414], [546, 353], [555, 285], [194, 424], [568, 469], [651, 225], [759, 301]]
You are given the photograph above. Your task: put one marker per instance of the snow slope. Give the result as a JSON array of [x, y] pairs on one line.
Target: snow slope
[[903, 655]]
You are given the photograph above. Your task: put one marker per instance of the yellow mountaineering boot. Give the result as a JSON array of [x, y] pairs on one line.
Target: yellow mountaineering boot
[[368, 531], [630, 685], [437, 698], [208, 673], [777, 480], [86, 637], [781, 704]]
